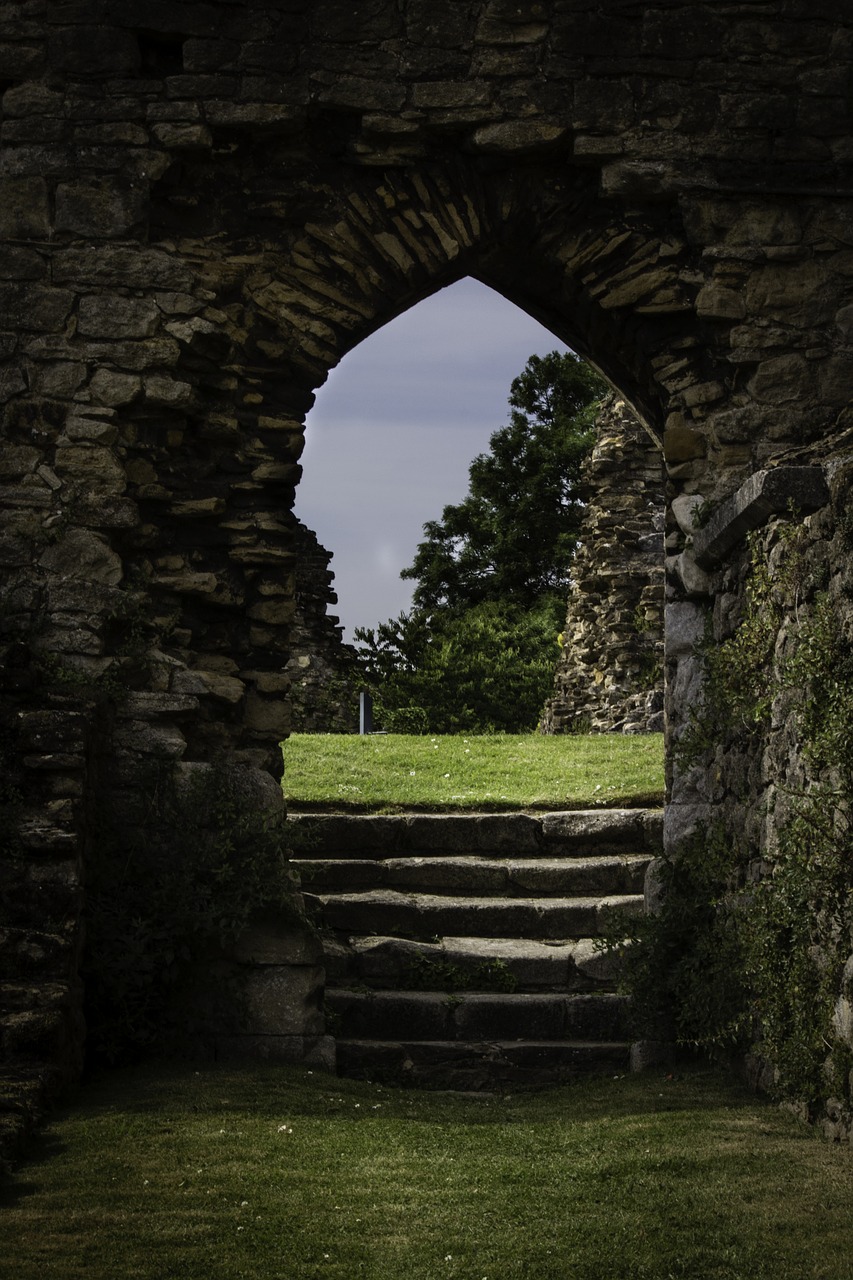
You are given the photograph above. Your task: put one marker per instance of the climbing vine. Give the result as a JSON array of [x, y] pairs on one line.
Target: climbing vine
[[748, 949], [166, 897]]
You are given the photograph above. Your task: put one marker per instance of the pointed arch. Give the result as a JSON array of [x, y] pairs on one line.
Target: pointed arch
[[616, 288]]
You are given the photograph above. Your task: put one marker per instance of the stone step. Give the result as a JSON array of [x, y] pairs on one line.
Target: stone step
[[453, 1064], [386, 911], [476, 1016], [388, 963], [607, 874], [573, 833], [460, 949]]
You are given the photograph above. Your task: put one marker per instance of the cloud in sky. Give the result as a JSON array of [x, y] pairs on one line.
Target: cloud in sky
[[395, 429]]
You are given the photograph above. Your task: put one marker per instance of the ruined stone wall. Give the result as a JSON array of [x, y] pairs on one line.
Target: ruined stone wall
[[765, 753], [610, 674], [322, 669], [204, 206]]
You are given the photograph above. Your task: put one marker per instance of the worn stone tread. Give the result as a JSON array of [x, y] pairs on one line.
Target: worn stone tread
[[477, 1016], [385, 962], [479, 1065], [508, 877], [425, 915], [463, 953], [569, 833]]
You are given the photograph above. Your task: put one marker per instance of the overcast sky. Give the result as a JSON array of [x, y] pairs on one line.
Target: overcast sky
[[395, 429]]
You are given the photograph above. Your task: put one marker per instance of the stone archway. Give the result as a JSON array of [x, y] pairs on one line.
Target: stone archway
[[204, 207]]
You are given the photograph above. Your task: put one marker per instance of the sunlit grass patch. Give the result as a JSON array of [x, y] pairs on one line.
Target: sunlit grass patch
[[499, 771], [276, 1174]]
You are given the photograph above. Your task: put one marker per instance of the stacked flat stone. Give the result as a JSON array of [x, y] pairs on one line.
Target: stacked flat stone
[[609, 677], [322, 669]]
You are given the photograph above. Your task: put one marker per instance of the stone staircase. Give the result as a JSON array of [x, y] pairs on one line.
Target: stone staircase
[[460, 949]]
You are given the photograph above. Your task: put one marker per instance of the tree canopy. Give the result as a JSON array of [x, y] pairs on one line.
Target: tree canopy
[[477, 650], [514, 535]]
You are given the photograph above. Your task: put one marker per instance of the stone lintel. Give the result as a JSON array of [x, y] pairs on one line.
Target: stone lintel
[[764, 494]]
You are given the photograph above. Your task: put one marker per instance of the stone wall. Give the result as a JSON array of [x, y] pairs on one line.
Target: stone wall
[[774, 781], [610, 674], [321, 668], [204, 207]]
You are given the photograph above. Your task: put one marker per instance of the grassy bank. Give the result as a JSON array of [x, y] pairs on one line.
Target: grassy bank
[[501, 771], [271, 1174]]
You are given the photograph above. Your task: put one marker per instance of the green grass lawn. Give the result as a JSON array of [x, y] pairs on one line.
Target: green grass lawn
[[280, 1174], [500, 771]]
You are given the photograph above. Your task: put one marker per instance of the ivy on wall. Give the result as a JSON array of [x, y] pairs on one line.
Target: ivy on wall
[[748, 949]]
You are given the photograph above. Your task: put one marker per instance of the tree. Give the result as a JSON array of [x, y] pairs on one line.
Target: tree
[[477, 650], [515, 534], [482, 670]]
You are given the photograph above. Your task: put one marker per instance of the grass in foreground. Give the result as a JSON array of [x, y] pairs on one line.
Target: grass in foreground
[[278, 1174], [501, 771]]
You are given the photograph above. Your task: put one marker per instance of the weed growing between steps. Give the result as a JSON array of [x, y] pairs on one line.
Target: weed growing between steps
[[394, 772], [275, 1172], [423, 974]]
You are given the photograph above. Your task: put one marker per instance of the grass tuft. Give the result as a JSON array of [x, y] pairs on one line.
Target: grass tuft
[[395, 772], [280, 1174]]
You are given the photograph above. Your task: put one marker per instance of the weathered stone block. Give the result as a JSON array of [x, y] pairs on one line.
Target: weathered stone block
[[209, 683], [111, 388], [35, 307], [111, 316], [18, 460], [518, 137], [764, 494], [11, 383], [183, 137], [129, 267], [95, 468], [284, 1000], [24, 211], [255, 790], [684, 628], [266, 715], [81, 554], [100, 208], [717, 302], [140, 737], [781, 379]]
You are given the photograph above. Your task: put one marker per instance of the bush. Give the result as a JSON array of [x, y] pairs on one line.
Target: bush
[[487, 669]]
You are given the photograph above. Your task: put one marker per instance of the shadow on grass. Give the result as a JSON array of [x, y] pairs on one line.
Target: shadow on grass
[[263, 1090]]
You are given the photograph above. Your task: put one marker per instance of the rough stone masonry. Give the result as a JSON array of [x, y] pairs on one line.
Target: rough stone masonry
[[204, 206]]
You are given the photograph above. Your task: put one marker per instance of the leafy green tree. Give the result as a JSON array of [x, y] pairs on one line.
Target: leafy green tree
[[514, 536], [482, 670], [476, 652]]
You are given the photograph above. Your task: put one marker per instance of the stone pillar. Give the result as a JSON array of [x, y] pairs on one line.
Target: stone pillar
[[321, 668], [610, 674]]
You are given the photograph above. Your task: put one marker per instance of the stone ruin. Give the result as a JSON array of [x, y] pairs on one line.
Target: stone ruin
[[609, 677], [321, 667], [204, 207]]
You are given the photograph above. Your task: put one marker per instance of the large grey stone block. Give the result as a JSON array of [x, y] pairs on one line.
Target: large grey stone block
[[764, 494]]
